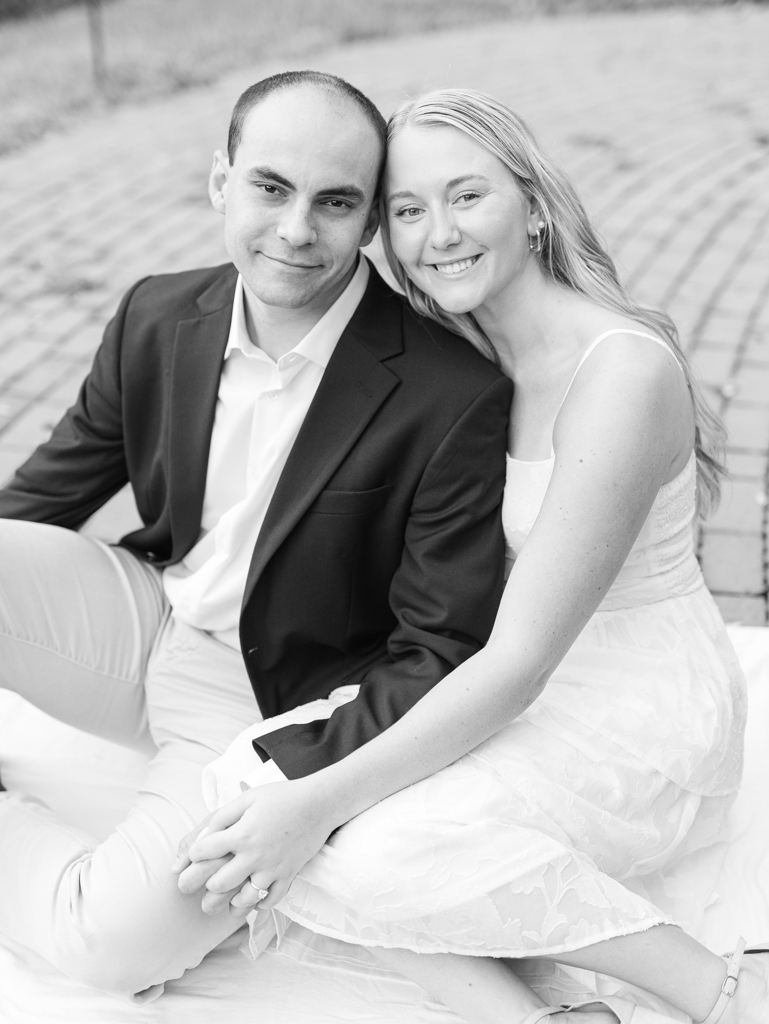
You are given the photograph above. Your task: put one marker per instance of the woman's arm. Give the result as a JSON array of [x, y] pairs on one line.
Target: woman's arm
[[626, 424]]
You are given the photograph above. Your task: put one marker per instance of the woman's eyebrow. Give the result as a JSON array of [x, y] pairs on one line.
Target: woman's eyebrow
[[463, 178], [449, 185]]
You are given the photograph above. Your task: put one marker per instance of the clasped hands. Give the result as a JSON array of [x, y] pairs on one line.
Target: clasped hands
[[258, 841]]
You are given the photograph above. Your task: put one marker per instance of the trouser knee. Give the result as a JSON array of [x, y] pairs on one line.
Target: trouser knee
[[120, 961]]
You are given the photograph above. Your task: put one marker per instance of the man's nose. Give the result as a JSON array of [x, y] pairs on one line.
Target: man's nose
[[444, 231], [296, 226]]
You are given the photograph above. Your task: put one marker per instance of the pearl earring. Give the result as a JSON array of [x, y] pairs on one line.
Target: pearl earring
[[537, 246]]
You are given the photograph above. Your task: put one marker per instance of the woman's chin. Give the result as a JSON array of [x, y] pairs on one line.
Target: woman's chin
[[453, 298]]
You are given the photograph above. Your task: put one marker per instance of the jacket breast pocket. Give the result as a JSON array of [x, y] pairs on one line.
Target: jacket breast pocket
[[351, 503]]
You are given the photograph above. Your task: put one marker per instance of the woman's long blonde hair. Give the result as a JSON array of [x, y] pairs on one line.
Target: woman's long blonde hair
[[571, 251]]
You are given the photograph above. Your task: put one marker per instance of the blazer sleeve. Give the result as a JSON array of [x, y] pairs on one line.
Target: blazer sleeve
[[82, 465], [445, 593]]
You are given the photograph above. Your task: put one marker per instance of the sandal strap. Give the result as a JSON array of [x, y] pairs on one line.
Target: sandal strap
[[729, 986], [541, 1013]]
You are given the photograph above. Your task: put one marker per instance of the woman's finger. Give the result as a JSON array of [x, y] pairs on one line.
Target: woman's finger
[[251, 894], [195, 875], [213, 845], [232, 875], [278, 890], [215, 902]]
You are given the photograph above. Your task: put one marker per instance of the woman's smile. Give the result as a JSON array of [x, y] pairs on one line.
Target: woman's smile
[[456, 266]]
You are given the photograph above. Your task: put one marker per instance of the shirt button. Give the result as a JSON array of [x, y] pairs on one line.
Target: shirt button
[[272, 394]]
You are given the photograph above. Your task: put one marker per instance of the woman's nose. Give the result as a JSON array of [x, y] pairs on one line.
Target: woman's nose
[[444, 232], [296, 227]]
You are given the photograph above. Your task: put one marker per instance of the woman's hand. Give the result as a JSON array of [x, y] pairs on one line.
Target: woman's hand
[[266, 836]]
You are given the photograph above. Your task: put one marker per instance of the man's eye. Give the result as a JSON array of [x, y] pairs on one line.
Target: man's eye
[[271, 190], [338, 204]]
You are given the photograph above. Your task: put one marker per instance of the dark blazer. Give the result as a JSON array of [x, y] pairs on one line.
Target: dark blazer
[[380, 559]]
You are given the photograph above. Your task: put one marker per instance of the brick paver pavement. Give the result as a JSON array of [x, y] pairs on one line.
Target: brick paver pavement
[[662, 118]]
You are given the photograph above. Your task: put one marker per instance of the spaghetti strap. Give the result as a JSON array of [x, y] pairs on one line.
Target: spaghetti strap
[[606, 334]]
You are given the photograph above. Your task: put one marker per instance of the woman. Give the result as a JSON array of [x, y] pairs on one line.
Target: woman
[[599, 733]]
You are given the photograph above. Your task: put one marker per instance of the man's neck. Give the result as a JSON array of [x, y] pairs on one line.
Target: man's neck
[[277, 330]]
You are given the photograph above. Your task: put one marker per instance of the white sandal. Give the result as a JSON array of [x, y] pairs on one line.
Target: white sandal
[[729, 986]]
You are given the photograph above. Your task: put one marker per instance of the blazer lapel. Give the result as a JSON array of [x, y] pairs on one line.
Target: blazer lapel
[[353, 387], [196, 369]]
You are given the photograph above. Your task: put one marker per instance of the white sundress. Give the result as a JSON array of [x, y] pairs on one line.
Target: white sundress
[[560, 829]]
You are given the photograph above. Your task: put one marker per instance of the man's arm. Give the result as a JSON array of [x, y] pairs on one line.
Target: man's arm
[[445, 593], [82, 464]]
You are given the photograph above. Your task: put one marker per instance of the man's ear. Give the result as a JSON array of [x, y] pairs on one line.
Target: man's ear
[[217, 181], [372, 223]]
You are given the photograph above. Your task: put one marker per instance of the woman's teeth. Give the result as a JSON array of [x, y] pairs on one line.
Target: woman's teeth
[[455, 268]]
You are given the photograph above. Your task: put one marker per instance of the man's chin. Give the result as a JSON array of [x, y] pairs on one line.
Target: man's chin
[[287, 297]]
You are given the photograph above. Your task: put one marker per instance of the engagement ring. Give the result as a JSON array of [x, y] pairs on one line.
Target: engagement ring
[[263, 893]]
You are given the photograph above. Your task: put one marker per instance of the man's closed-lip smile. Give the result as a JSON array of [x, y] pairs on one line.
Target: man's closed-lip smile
[[290, 263]]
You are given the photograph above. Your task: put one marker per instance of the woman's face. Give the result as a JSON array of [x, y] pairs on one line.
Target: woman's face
[[459, 224]]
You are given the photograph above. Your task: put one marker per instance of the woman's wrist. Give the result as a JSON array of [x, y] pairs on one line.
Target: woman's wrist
[[331, 794]]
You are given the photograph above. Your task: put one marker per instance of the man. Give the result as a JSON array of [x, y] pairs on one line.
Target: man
[[319, 474]]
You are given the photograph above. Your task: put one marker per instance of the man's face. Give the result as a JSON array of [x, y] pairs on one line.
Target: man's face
[[298, 199]]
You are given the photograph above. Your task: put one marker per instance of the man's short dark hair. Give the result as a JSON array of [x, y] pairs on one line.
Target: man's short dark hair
[[288, 79]]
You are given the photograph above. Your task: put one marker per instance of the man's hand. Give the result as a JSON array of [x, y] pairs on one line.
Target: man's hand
[[258, 841], [193, 876]]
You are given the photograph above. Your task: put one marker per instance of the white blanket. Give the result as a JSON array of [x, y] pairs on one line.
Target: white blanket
[[91, 783]]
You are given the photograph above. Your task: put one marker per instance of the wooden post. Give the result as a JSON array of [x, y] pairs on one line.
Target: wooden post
[[96, 33]]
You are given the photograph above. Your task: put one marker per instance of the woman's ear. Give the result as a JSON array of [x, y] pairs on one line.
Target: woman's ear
[[535, 219], [217, 181]]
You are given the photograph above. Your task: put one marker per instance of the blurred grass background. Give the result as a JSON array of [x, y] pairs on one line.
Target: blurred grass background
[[156, 47]]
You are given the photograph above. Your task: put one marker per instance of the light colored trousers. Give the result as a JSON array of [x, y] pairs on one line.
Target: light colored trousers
[[86, 635]]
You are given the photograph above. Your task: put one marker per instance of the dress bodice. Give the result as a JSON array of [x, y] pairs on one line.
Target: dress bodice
[[661, 563]]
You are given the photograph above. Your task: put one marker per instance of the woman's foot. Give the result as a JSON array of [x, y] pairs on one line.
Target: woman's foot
[[750, 1003]]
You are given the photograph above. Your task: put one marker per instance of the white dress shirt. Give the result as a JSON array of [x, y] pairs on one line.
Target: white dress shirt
[[260, 409]]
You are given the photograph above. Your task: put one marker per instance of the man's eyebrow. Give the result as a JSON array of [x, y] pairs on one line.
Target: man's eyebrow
[[344, 192], [267, 172]]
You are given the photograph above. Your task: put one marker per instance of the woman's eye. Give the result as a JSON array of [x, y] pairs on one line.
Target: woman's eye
[[409, 211], [468, 197]]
